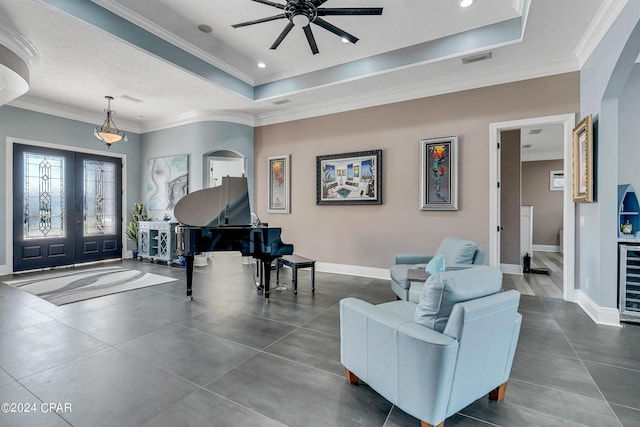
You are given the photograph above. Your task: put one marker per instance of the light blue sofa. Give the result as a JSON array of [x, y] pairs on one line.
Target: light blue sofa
[[458, 254], [459, 352]]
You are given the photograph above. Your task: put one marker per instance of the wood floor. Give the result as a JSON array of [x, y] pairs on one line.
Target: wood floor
[[543, 285]]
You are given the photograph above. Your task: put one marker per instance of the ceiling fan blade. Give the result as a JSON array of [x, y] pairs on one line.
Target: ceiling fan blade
[[317, 3], [335, 30], [258, 21], [270, 3], [311, 39], [326, 11], [282, 35]]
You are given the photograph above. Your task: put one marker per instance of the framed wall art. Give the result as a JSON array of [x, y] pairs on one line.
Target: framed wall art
[[167, 181], [349, 178], [582, 161], [556, 180], [439, 174], [279, 184]]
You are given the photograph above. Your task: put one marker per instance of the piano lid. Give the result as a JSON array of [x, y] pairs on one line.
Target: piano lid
[[227, 204]]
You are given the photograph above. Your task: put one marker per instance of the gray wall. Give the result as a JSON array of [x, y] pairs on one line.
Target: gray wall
[[547, 211], [510, 197], [29, 125], [196, 140], [602, 81], [370, 236], [629, 146]]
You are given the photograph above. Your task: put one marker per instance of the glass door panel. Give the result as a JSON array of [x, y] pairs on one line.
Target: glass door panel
[[44, 209], [99, 213], [41, 208]]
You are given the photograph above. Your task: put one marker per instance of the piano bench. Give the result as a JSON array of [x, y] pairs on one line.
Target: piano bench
[[296, 262]]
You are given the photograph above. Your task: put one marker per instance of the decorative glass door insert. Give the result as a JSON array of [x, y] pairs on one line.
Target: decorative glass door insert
[[44, 195], [99, 207]]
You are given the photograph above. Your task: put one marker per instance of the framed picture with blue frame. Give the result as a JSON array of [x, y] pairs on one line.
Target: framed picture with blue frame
[[349, 178], [439, 174]]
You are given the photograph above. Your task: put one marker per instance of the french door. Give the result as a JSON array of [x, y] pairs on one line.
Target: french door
[[67, 207]]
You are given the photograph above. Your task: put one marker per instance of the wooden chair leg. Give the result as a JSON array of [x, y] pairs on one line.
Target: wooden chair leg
[[426, 424], [351, 377], [499, 392]]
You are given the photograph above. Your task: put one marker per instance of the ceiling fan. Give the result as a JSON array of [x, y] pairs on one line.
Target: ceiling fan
[[303, 13]]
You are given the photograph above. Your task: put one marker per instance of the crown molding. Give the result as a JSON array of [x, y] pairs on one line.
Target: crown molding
[[467, 81], [474, 80], [136, 19], [40, 105], [59, 110], [602, 21], [17, 43], [199, 116]]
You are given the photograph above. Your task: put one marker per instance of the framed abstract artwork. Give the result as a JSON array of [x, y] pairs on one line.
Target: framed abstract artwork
[[349, 178], [582, 161], [167, 181], [279, 184], [439, 174]]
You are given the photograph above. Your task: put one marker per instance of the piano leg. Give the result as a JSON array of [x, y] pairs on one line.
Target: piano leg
[[189, 265], [266, 276]]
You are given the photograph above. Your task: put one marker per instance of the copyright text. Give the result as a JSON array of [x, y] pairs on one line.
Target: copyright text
[[27, 407]]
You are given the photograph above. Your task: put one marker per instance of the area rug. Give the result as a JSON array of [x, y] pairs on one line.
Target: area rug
[[64, 287]]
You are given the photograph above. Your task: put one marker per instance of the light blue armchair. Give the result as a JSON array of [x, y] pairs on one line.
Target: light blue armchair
[[436, 357], [458, 254]]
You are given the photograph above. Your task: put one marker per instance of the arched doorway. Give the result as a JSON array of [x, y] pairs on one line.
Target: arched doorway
[[222, 163]]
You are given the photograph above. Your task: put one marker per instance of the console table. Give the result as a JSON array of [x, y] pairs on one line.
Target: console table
[[157, 240], [296, 262]]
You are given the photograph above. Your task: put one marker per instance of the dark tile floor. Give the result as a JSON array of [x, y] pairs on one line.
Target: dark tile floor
[[150, 357]]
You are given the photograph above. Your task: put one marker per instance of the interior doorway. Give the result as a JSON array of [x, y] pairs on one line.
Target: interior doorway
[[567, 121], [223, 163]]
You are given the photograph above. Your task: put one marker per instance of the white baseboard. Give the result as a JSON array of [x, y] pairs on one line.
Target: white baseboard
[[353, 270], [600, 315], [511, 268], [546, 248]]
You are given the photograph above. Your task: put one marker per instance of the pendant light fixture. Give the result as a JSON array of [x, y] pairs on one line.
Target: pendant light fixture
[[109, 132]]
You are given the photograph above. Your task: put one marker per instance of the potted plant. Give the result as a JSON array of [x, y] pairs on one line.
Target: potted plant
[[137, 214]]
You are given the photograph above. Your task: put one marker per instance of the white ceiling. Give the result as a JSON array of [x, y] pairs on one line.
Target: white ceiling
[[542, 142], [152, 51]]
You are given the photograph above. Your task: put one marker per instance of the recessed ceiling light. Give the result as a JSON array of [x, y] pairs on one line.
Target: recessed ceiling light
[[205, 28], [345, 40], [262, 65], [466, 3]]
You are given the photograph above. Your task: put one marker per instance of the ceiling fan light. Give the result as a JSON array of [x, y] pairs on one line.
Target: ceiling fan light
[[300, 20]]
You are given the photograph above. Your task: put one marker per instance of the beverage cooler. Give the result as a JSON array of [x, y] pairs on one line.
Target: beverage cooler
[[629, 281]]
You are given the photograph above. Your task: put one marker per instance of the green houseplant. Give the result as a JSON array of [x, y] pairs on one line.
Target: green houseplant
[[137, 214]]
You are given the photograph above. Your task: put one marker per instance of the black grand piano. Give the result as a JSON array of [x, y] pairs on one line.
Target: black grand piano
[[219, 219]]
